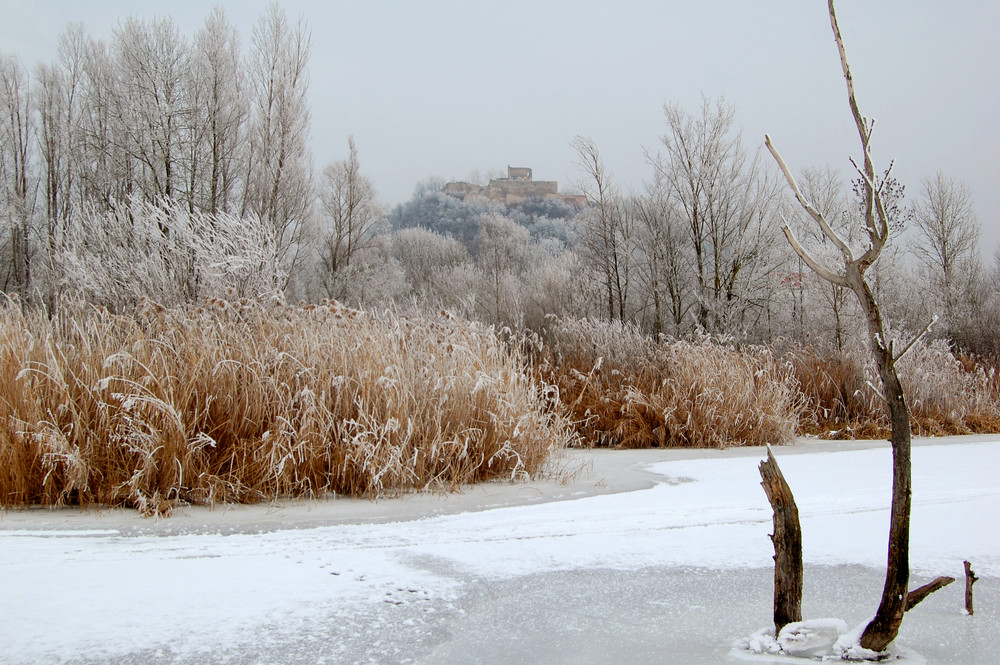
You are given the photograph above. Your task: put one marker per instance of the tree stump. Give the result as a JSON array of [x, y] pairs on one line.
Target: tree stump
[[970, 579], [787, 539]]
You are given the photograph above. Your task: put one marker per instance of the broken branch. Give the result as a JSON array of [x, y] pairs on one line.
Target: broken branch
[[920, 593], [926, 329]]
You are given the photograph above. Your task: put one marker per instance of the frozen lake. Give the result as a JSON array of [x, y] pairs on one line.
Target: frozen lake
[[644, 556]]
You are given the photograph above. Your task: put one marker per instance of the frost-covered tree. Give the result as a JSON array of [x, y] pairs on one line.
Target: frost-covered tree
[[663, 260], [946, 245], [17, 191], [166, 253], [279, 186], [59, 94], [728, 202], [220, 114], [427, 257], [502, 256], [351, 218], [821, 310], [151, 92], [607, 229]]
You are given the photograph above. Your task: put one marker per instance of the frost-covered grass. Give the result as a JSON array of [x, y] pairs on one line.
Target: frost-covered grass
[[947, 394], [627, 390], [236, 402], [243, 402]]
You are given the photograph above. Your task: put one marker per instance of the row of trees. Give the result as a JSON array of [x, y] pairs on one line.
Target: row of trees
[[154, 117], [182, 132]]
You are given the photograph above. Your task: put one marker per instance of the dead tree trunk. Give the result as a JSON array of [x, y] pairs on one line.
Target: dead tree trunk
[[970, 579], [885, 625], [787, 539]]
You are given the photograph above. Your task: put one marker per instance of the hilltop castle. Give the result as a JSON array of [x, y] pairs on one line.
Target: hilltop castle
[[516, 187]]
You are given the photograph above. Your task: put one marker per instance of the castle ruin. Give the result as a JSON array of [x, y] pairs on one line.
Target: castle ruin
[[515, 188]]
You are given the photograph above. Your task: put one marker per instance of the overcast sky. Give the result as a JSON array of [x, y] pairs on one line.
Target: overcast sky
[[446, 88]]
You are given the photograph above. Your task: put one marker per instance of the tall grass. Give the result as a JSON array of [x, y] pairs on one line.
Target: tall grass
[[946, 394], [236, 402], [243, 402], [626, 390]]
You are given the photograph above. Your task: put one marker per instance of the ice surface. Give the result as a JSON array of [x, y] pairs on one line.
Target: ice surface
[[673, 573]]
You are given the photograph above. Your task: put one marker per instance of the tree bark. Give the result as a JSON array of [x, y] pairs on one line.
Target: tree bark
[[882, 629], [787, 539]]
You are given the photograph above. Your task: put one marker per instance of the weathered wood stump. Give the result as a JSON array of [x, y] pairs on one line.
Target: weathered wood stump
[[787, 539], [970, 579]]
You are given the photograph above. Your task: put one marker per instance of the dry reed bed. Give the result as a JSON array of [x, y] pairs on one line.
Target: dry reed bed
[[626, 390], [243, 403], [946, 394]]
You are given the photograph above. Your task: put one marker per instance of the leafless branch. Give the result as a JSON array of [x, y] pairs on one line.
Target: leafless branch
[[814, 265], [920, 593], [926, 329], [876, 391], [809, 208]]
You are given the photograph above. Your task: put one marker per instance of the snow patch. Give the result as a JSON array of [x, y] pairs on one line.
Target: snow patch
[[823, 640]]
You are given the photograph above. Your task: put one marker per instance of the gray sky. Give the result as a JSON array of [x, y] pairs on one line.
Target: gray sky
[[443, 87]]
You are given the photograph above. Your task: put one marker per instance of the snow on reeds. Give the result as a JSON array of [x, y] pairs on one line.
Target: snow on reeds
[[946, 394], [241, 402], [235, 402], [626, 390]]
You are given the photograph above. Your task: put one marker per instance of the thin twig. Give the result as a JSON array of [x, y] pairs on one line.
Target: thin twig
[[916, 338]]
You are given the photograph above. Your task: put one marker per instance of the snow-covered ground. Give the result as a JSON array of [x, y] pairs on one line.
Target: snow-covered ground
[[643, 556]]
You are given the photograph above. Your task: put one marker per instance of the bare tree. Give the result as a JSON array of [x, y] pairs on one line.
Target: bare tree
[[664, 268], [825, 189], [151, 96], [947, 243], [351, 215], [17, 195], [996, 269], [107, 170], [728, 202], [608, 228], [882, 629], [220, 110], [278, 181], [501, 258]]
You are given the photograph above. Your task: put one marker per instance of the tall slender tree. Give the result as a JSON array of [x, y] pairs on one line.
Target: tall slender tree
[[883, 628], [279, 181], [946, 246], [350, 218], [607, 232], [220, 114], [17, 195]]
